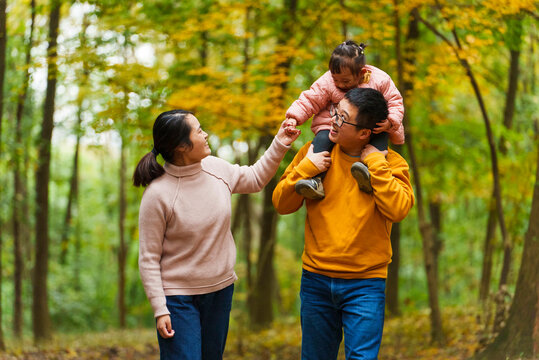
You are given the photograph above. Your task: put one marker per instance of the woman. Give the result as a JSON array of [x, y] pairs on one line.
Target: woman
[[187, 253]]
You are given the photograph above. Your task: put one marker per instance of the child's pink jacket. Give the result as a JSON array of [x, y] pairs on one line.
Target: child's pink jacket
[[323, 92]]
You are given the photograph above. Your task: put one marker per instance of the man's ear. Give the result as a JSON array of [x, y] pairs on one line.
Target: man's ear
[[365, 133]]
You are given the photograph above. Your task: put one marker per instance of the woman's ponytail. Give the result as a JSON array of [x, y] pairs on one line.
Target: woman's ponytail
[[147, 170]]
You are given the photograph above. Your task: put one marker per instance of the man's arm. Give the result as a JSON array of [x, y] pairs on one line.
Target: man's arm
[[390, 179], [285, 199]]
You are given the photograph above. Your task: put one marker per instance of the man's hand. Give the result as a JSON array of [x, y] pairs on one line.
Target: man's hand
[[382, 126], [369, 149], [288, 133], [164, 326], [321, 160]]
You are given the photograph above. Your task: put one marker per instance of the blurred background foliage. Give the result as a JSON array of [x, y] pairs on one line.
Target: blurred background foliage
[[239, 64]]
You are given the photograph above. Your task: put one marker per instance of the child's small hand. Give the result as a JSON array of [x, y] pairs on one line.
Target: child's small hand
[[292, 122], [321, 160], [288, 133], [383, 126]]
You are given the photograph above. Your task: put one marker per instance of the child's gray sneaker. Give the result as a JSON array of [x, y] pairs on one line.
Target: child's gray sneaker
[[311, 188], [360, 172]]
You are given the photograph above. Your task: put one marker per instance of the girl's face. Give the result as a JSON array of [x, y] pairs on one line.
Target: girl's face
[[200, 149], [346, 80]]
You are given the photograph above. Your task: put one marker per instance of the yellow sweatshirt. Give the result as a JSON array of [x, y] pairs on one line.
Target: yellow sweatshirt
[[347, 234]]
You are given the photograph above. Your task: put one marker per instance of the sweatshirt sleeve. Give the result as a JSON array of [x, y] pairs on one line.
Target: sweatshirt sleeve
[[152, 227], [250, 179], [285, 199], [390, 179], [310, 101]]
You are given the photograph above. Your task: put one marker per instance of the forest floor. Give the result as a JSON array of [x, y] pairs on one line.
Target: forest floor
[[405, 338]]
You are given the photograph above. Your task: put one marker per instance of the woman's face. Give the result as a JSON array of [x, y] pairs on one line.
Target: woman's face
[[199, 139]]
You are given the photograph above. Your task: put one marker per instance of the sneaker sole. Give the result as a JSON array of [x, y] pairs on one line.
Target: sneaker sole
[[308, 192], [363, 183]]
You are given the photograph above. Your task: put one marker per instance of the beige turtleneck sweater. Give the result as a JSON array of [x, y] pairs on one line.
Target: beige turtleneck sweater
[[186, 246]]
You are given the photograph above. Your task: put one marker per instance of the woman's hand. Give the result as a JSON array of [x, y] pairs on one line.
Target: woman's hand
[[382, 126], [288, 133], [321, 160], [164, 326]]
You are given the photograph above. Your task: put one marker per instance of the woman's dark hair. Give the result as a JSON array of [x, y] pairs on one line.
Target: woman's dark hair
[[347, 55], [371, 106], [170, 130]]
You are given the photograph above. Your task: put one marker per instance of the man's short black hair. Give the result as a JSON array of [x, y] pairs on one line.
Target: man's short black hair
[[371, 105]]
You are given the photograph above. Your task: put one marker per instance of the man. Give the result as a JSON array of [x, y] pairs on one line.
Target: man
[[347, 245]]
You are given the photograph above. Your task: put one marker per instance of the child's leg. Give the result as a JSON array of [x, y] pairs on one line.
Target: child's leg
[[321, 142], [379, 141], [313, 188]]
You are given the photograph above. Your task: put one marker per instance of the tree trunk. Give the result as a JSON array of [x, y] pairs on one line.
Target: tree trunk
[[344, 25], [122, 249], [73, 191], [20, 227], [425, 227], [262, 310], [40, 308], [486, 272], [392, 290], [3, 38], [511, 89], [520, 336]]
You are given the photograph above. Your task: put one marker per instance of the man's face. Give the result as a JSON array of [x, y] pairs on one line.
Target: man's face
[[346, 132]]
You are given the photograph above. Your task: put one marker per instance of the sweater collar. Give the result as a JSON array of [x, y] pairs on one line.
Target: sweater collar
[[181, 171]]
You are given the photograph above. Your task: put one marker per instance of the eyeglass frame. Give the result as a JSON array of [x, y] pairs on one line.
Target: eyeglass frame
[[333, 113]]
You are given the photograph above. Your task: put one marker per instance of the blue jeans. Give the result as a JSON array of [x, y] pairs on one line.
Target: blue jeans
[[329, 305], [200, 323]]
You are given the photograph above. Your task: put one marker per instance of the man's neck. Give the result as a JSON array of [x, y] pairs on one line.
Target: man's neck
[[354, 150]]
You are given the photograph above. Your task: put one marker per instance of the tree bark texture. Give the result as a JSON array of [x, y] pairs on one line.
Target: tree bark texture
[[20, 226], [40, 310]]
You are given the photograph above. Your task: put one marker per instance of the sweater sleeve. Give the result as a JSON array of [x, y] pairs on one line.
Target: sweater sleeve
[[152, 227], [285, 199], [250, 179], [390, 179], [310, 101], [395, 107]]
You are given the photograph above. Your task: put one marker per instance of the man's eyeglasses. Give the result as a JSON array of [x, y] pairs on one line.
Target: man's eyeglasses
[[339, 118]]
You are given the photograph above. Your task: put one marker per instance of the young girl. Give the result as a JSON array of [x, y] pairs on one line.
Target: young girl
[[347, 70]]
